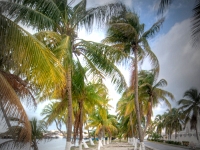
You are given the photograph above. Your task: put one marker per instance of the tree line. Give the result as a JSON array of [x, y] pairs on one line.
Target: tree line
[[49, 65]]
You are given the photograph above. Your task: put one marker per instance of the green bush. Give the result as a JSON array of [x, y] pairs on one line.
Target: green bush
[[173, 142], [185, 143]]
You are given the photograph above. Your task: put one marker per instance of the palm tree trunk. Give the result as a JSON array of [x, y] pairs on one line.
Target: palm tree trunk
[[35, 147], [136, 96], [104, 142], [197, 133], [70, 109], [81, 121], [59, 128], [131, 121], [150, 102]]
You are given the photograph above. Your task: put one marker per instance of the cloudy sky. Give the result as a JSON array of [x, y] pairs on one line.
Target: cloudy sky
[[179, 62]]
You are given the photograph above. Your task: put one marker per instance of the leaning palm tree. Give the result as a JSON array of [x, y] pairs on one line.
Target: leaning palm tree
[[149, 86], [59, 21], [163, 6], [27, 68], [190, 106], [127, 34]]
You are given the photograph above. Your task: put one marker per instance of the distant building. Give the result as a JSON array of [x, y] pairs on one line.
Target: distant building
[[187, 134]]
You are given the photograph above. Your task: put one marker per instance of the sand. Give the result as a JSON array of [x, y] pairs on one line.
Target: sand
[[112, 146]]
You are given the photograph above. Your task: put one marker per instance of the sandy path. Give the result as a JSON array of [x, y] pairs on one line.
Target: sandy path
[[112, 146]]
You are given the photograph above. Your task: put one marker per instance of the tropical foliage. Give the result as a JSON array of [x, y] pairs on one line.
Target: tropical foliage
[[190, 107], [127, 34], [58, 22], [149, 87], [37, 129], [54, 63], [27, 69]]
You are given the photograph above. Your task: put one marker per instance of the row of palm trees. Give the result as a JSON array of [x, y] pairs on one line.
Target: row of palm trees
[[150, 95], [42, 65], [49, 64], [176, 119]]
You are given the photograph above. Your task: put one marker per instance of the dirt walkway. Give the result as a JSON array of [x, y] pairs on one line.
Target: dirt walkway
[[111, 146]]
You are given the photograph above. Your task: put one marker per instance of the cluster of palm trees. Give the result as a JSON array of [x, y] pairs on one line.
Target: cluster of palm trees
[[176, 119], [54, 64], [150, 95], [43, 65]]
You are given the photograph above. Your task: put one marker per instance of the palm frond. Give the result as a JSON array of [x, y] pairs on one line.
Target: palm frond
[[12, 107], [161, 83], [49, 38], [196, 23], [39, 15], [100, 60], [21, 87], [152, 57], [11, 144], [101, 15], [31, 58], [154, 29], [163, 5]]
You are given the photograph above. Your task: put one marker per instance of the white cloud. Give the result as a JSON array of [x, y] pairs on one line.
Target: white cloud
[[179, 61]]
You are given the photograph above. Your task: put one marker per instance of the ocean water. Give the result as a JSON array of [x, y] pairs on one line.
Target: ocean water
[[55, 144]]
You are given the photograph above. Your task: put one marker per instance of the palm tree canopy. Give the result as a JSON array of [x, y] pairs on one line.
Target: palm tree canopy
[[148, 84], [196, 23], [191, 106], [125, 30]]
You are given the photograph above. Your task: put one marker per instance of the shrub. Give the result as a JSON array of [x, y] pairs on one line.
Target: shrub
[[173, 142], [185, 143]]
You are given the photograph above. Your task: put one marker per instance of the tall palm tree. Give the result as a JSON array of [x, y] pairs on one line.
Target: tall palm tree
[[126, 112], [60, 20], [190, 106], [127, 34], [163, 6], [86, 96], [149, 86]]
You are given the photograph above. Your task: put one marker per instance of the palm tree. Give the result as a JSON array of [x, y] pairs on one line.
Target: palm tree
[[27, 68], [191, 107], [60, 21], [126, 112], [37, 129], [86, 96], [127, 34], [149, 86], [163, 6], [102, 121], [177, 120], [54, 113], [172, 121], [158, 124]]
